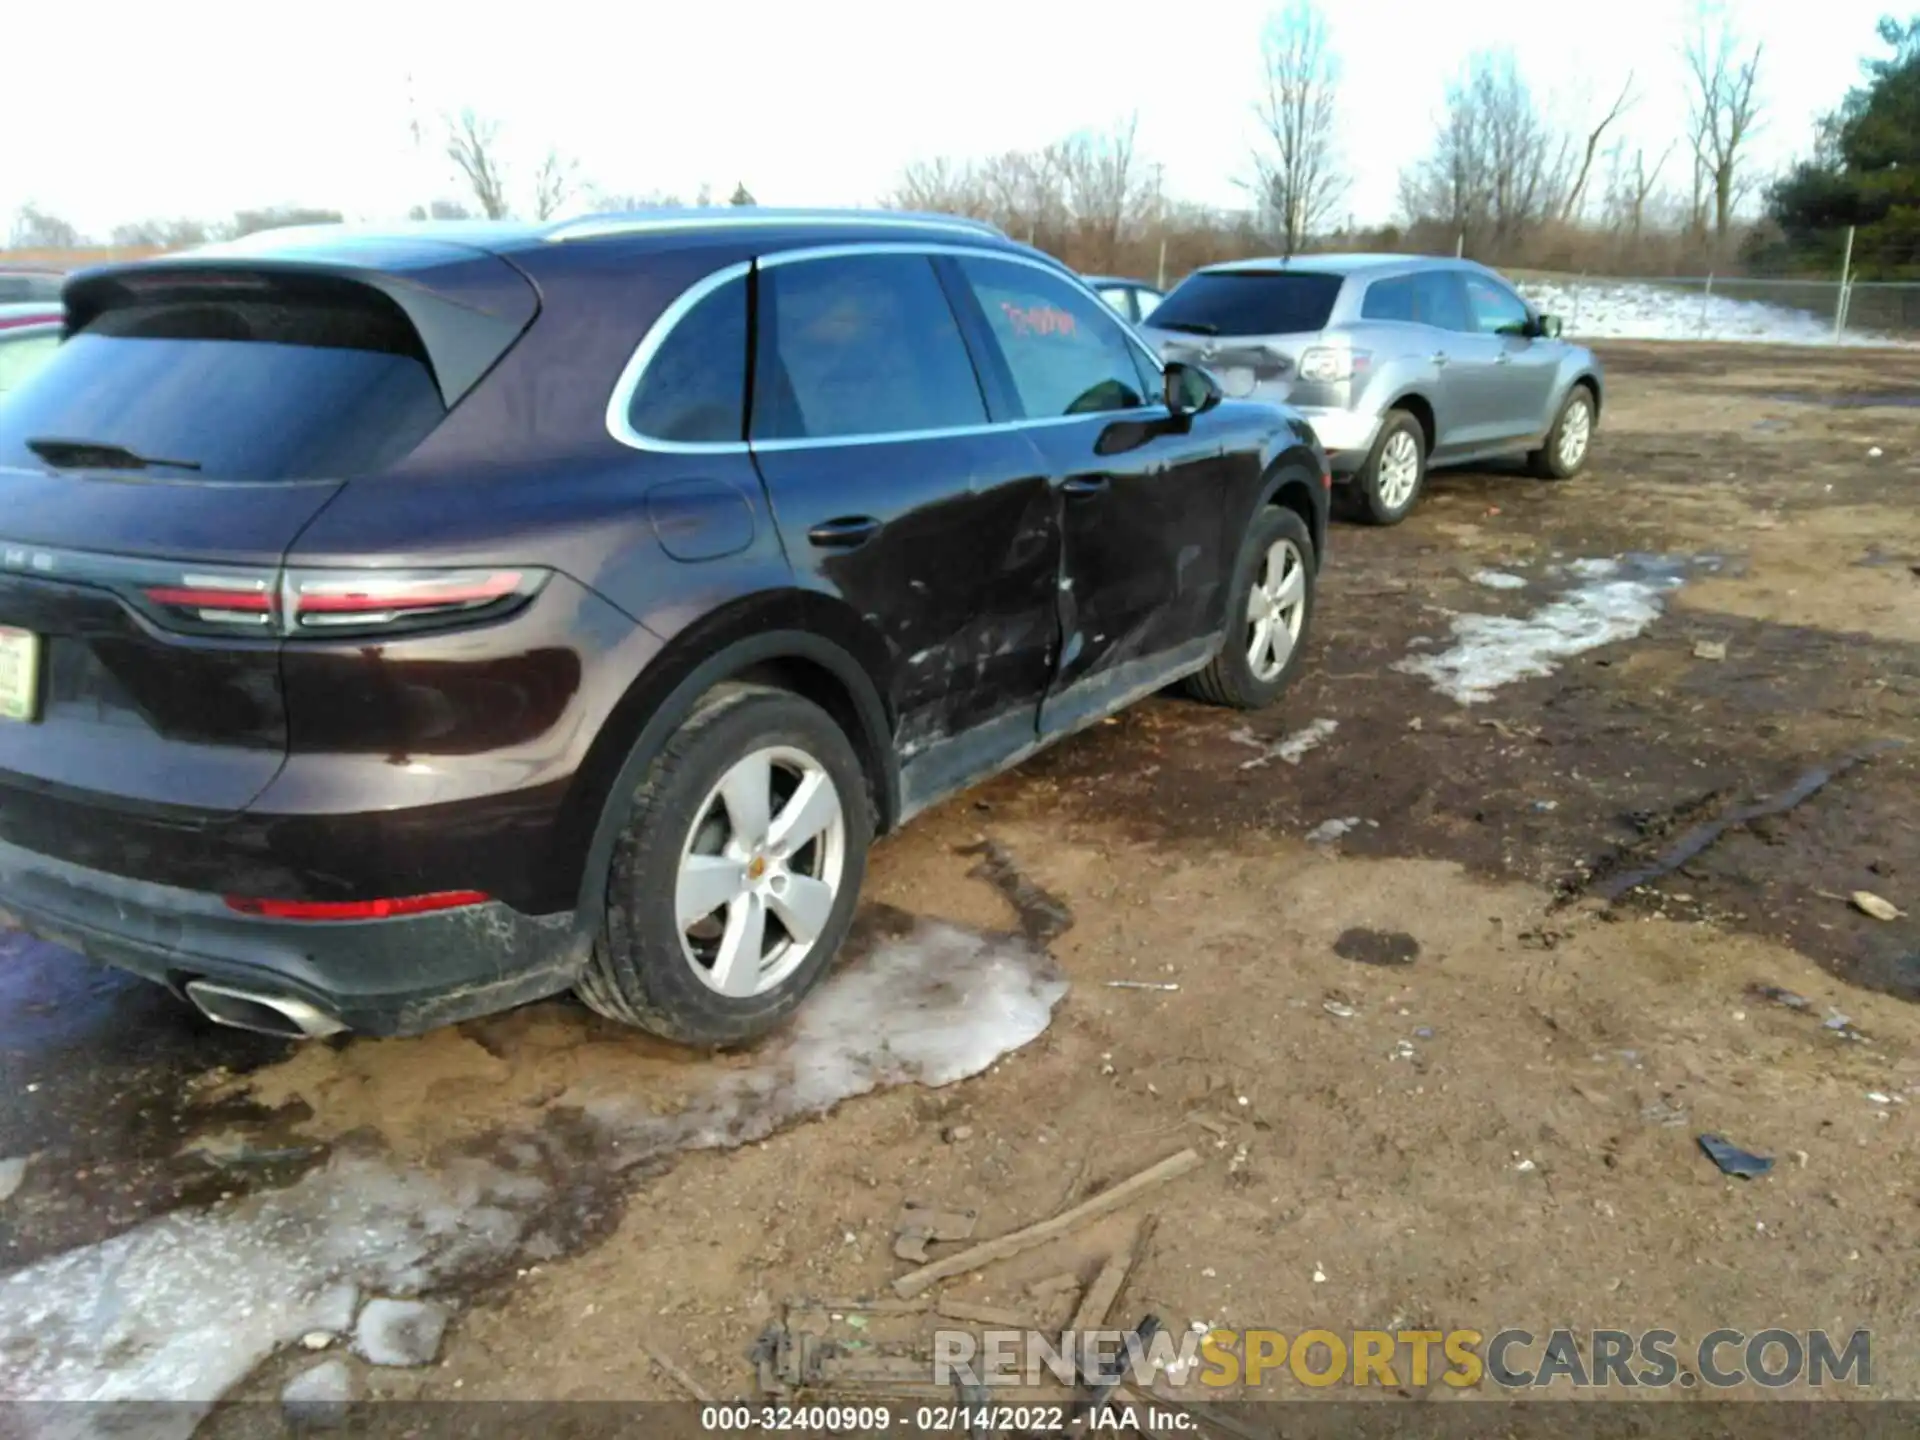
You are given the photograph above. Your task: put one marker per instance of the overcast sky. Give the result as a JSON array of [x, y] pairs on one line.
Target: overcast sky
[[115, 111]]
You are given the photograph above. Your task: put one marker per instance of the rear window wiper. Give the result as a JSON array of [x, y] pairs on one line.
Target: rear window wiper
[[95, 455], [1192, 327]]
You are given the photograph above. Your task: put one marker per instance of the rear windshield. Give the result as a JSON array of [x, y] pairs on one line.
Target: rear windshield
[[322, 382], [1241, 302]]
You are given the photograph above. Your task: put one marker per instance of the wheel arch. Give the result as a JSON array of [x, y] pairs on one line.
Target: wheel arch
[[810, 644], [1591, 380], [1421, 408], [1293, 481]]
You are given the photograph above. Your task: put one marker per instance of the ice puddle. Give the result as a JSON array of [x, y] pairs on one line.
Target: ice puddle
[[1613, 600], [183, 1307]]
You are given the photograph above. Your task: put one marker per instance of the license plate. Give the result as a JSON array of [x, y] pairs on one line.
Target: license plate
[[19, 674]]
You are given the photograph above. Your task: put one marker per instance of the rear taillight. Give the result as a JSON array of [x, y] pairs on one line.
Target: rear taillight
[[1325, 365], [336, 603], [339, 911]]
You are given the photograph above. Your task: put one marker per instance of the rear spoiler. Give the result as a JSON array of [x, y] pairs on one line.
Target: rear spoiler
[[467, 306]]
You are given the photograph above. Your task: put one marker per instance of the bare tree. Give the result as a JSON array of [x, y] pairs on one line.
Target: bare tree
[[471, 146], [741, 195], [1297, 179], [1724, 111], [1497, 168], [440, 210], [1110, 191], [161, 234], [35, 229], [277, 217], [1577, 191], [554, 183]]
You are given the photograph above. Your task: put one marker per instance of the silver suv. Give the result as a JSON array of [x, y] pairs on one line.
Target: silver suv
[[1395, 360]]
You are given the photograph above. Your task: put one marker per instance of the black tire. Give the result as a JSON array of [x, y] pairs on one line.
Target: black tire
[[639, 972], [1546, 462], [1229, 678], [1366, 503]]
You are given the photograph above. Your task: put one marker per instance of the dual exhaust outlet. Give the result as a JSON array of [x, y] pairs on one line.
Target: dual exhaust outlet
[[281, 1015]]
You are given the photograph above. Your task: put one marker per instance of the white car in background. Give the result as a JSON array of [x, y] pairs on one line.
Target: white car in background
[[28, 334], [1132, 300]]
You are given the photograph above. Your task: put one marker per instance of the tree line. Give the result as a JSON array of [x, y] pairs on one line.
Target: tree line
[[1505, 175]]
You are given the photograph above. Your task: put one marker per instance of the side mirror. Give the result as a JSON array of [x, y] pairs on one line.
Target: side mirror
[[1547, 327], [1189, 389]]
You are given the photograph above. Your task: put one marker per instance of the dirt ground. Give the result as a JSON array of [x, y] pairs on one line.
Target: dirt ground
[[1439, 1073]]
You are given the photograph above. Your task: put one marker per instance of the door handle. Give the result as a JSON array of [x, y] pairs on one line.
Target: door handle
[[1440, 357], [844, 533], [1082, 486]]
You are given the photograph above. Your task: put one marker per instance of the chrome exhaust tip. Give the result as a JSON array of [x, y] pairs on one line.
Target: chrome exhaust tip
[[267, 1014]]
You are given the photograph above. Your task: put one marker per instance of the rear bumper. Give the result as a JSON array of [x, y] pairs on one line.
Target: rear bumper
[[381, 977], [1346, 435]]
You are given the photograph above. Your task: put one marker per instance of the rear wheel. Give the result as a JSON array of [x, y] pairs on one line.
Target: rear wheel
[[1389, 482], [1268, 611], [1565, 453], [735, 877]]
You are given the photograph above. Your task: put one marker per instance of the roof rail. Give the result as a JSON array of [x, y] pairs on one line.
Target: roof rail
[[635, 222]]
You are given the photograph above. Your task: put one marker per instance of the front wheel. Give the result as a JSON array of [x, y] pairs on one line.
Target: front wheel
[[735, 876], [1269, 609], [1565, 453]]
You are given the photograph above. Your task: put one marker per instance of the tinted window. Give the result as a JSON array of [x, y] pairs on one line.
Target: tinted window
[[1233, 302], [23, 352], [1439, 300], [1496, 309], [865, 345], [1065, 354], [1390, 300], [311, 382], [695, 386]]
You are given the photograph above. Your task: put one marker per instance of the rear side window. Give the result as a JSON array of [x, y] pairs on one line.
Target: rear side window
[[23, 353], [1440, 300], [1065, 353], [312, 381], [865, 345], [1391, 300], [1250, 302], [695, 386]]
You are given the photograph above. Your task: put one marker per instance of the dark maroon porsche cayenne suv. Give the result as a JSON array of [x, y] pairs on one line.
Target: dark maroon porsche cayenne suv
[[397, 626]]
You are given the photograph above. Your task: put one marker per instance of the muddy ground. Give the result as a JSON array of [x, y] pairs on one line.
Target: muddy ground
[[1446, 1068]]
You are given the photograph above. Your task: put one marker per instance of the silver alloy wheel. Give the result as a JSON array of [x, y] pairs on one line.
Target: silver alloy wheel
[[1576, 429], [769, 844], [1399, 469], [1276, 609]]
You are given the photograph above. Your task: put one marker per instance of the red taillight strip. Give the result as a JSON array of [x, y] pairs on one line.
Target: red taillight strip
[[338, 910], [410, 596], [194, 598], [17, 322]]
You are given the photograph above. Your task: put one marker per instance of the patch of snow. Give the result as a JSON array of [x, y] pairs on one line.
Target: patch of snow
[[1327, 831], [1651, 310], [1499, 580], [1293, 748], [183, 1307], [1489, 651]]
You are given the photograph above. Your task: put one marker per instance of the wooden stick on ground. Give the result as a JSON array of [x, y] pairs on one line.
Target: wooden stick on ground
[[972, 1258], [1105, 1289], [686, 1382]]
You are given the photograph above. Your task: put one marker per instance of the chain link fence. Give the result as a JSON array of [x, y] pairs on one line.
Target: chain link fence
[[1795, 312]]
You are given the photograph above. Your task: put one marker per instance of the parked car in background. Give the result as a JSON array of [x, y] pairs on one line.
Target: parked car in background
[[1397, 362], [28, 335], [24, 284], [398, 626], [1133, 299]]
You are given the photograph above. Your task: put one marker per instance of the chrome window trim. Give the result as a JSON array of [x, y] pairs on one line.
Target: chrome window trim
[[620, 403]]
